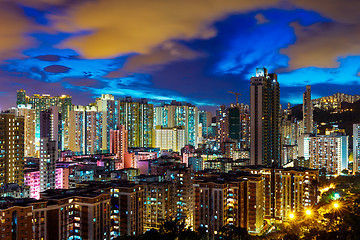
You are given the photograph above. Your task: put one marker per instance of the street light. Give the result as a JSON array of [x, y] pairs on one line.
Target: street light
[[291, 216], [308, 212], [335, 205]]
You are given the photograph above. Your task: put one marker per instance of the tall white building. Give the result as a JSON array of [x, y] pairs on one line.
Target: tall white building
[[169, 138], [329, 152]]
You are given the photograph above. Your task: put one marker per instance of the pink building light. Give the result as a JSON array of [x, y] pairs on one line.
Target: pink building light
[[32, 179]]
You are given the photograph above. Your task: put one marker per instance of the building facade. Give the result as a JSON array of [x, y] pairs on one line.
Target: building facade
[[265, 118]]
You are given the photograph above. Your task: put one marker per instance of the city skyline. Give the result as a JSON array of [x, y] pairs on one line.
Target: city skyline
[[195, 52]]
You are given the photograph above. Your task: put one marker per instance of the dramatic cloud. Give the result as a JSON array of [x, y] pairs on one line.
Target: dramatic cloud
[[56, 69], [48, 58], [114, 27], [322, 44], [13, 29], [346, 11], [164, 54]]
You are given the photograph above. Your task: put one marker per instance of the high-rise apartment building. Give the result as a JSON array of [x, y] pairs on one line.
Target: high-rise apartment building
[[11, 149], [234, 124], [286, 190], [327, 152], [106, 104], [290, 132], [356, 147], [169, 138], [21, 98], [183, 195], [158, 204], [16, 219], [68, 214], [44, 102], [205, 122], [222, 123], [118, 145], [86, 125], [48, 157], [127, 203], [137, 117], [232, 199], [51, 126], [179, 114], [265, 118], [29, 128], [334, 102], [308, 111]]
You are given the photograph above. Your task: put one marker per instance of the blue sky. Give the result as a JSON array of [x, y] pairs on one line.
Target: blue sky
[[186, 51]]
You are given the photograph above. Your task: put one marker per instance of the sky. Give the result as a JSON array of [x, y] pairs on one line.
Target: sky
[[190, 50]]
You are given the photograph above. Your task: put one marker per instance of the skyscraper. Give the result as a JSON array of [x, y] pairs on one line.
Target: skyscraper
[[118, 145], [137, 116], [234, 123], [307, 111], [205, 121], [29, 127], [106, 105], [44, 102], [86, 135], [11, 149], [356, 147], [222, 123], [21, 97], [51, 126], [265, 118], [179, 114]]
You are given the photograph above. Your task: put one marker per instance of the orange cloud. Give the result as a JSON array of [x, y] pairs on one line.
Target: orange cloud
[[12, 31], [321, 44], [346, 11], [119, 26], [166, 53]]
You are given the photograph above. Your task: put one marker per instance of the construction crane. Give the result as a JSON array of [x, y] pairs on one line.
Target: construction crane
[[237, 96]]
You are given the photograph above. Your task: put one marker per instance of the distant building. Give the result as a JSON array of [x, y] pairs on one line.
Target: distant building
[[138, 118], [308, 111], [179, 114], [334, 102], [169, 138], [29, 128], [222, 123], [86, 130], [42, 103]]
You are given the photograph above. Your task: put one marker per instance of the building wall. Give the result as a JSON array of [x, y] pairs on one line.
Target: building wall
[[11, 149]]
